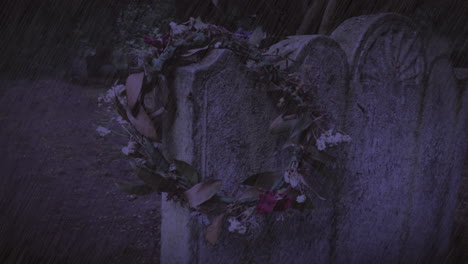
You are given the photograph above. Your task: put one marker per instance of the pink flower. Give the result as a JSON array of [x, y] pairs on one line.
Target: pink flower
[[266, 203], [159, 43], [272, 201], [149, 40]]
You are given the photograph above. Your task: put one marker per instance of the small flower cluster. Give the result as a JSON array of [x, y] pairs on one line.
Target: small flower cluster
[[130, 148], [111, 94], [236, 226], [292, 175], [328, 139], [102, 131]]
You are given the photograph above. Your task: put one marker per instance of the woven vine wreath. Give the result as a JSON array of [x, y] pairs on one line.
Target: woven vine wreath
[[265, 192]]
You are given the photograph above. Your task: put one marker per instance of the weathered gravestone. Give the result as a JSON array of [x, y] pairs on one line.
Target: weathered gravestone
[[395, 185]]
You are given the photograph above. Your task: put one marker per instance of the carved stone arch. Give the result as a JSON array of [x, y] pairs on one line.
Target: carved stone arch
[[387, 71], [397, 35]]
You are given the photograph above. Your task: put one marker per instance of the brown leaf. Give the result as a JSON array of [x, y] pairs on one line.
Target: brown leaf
[[214, 230], [142, 122], [193, 51], [133, 86], [202, 192]]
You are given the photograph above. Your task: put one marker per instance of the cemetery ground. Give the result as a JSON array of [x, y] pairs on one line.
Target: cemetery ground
[[58, 200]]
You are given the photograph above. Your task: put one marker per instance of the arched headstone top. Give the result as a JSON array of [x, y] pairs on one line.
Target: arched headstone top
[[388, 43], [290, 53], [324, 68]]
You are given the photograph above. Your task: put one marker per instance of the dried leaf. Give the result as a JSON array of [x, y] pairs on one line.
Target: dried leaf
[[282, 125], [133, 86], [186, 170], [139, 190], [214, 230], [157, 113], [193, 51], [202, 192], [142, 122], [265, 180]]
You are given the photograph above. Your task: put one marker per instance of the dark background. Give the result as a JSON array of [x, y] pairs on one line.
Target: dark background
[[39, 36], [58, 203]]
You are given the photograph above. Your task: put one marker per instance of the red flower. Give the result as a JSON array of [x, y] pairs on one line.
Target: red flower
[[159, 43], [266, 203], [272, 201], [149, 40]]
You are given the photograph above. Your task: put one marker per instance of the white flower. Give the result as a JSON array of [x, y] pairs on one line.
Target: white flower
[[130, 148], [301, 198], [236, 226], [102, 131], [120, 120], [292, 175], [328, 139], [111, 93]]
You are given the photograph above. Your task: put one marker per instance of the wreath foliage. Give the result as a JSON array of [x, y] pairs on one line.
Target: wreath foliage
[[144, 100]]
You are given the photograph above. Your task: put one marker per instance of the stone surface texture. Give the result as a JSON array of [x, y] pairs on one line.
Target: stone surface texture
[[395, 188]]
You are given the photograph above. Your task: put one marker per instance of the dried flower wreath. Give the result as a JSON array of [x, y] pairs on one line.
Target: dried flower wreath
[[269, 191]]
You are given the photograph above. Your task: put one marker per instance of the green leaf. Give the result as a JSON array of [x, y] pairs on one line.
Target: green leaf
[[257, 36], [159, 63], [199, 25], [301, 125], [202, 192], [282, 125], [140, 190], [156, 156], [199, 38], [186, 170], [214, 230], [250, 192], [265, 180], [150, 179], [320, 156]]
